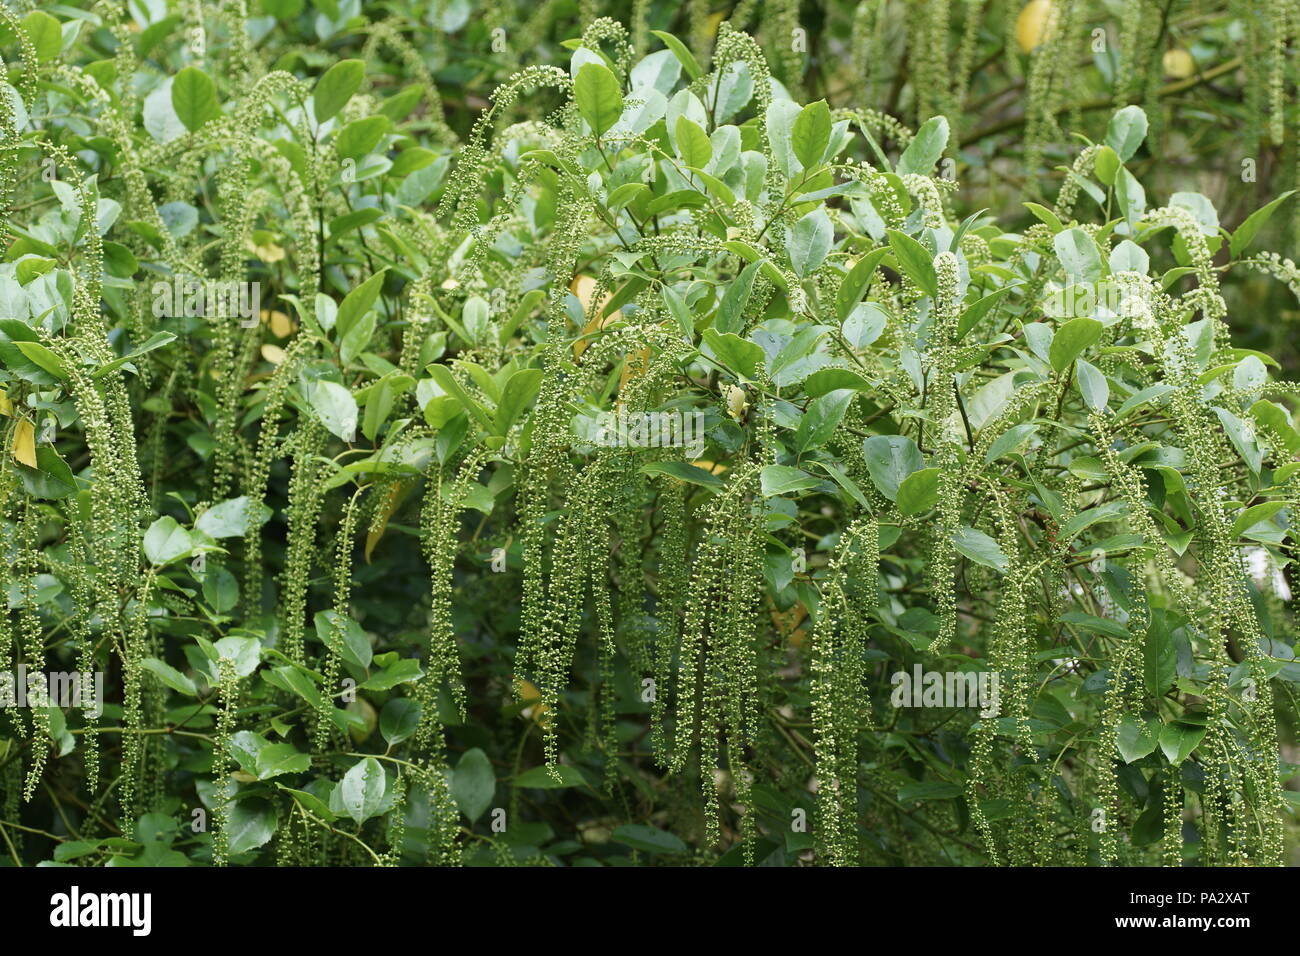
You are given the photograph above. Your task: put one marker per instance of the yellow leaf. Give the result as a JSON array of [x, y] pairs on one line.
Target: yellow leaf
[[397, 493], [267, 252], [787, 623], [6, 406], [273, 354], [25, 443], [1178, 64], [1036, 24], [736, 402], [584, 288], [281, 325], [634, 366], [531, 695]]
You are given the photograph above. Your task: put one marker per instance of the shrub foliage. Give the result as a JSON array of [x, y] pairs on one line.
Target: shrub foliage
[[634, 475]]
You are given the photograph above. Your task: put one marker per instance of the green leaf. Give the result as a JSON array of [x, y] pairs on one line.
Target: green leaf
[[976, 311], [648, 839], [926, 148], [779, 122], [310, 802], [979, 547], [250, 824], [165, 541], [155, 341], [821, 418], [521, 388], [362, 789], [809, 241], [599, 98], [811, 133], [890, 459], [336, 408], [827, 380], [1241, 437], [675, 201], [1254, 515], [1085, 519], [1274, 419], [1126, 131], [784, 480], [354, 341], [404, 670], [1160, 659], [45, 33], [682, 313], [275, 760], [1246, 232], [684, 56], [1094, 624], [357, 304], [692, 142], [399, 719], [194, 98], [335, 88], [43, 358], [540, 778], [683, 471], [360, 136], [731, 310], [229, 518], [344, 633], [1137, 738], [51, 479], [243, 653], [1078, 254], [1178, 740], [1046, 215], [928, 790], [625, 194], [379, 403], [450, 386], [1071, 339], [734, 353], [473, 784], [1092, 385], [854, 285], [296, 680], [1131, 196], [170, 676], [918, 492], [915, 261], [1106, 165]]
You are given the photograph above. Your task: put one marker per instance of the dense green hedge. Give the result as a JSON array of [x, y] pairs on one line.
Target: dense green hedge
[[653, 455]]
